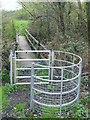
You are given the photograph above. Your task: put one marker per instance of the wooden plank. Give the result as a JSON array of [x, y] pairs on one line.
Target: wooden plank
[[41, 45], [32, 36], [30, 42]]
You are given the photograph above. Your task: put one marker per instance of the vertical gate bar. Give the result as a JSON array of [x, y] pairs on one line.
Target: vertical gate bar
[[79, 80], [15, 68], [61, 91], [11, 67], [32, 85], [52, 63], [72, 66], [49, 71]]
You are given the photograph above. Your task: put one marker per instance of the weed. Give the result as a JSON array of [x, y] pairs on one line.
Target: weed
[[8, 88], [5, 101], [37, 93], [80, 111], [50, 87], [84, 81], [49, 112], [0, 98], [19, 108], [5, 75], [42, 73]]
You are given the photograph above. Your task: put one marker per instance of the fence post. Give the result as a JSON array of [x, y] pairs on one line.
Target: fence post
[[49, 72], [52, 63], [15, 68], [61, 91], [32, 84], [73, 66], [79, 80], [11, 67]]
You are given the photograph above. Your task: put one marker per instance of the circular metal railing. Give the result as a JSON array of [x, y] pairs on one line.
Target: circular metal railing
[[55, 88]]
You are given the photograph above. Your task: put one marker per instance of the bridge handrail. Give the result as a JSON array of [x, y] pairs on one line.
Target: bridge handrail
[[43, 46], [31, 36]]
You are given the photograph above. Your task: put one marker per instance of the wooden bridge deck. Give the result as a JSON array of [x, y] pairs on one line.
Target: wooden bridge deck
[[23, 45]]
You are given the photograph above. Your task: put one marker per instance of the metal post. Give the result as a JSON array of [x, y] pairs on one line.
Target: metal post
[[15, 69], [49, 71], [61, 90], [73, 66], [11, 67], [52, 63], [79, 81], [32, 85]]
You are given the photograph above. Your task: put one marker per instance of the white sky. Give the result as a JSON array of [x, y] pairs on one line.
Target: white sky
[[10, 5], [13, 5]]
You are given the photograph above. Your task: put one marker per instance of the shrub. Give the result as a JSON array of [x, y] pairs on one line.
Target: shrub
[[80, 111], [5, 76]]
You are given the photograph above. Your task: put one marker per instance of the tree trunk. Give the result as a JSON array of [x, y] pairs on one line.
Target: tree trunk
[[88, 22], [61, 18], [48, 22], [79, 15]]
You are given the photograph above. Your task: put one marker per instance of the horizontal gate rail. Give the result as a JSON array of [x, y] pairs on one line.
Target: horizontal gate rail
[[19, 77], [30, 68], [32, 51], [32, 59]]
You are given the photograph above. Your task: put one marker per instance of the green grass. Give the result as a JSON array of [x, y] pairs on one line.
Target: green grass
[[0, 99], [5, 101], [49, 112], [20, 106], [20, 25], [19, 110]]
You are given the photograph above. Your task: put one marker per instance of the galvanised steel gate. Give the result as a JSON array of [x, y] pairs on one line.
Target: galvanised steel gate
[[58, 93], [21, 61], [54, 78]]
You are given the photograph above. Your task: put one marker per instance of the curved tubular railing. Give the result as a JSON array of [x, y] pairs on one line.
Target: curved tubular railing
[[62, 88]]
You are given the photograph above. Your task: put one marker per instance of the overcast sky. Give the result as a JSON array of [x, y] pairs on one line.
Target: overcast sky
[[13, 4], [10, 5]]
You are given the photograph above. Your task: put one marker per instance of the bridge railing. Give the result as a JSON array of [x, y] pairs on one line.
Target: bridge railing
[[35, 44]]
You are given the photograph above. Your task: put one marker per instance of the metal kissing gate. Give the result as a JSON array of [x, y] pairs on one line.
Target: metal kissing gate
[[55, 81], [20, 69]]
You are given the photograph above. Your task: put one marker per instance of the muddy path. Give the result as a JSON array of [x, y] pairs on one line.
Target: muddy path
[[22, 94]]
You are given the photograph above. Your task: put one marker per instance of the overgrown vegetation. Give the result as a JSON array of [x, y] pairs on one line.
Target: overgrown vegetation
[[80, 111], [42, 72], [58, 25], [48, 112], [8, 43], [20, 26]]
